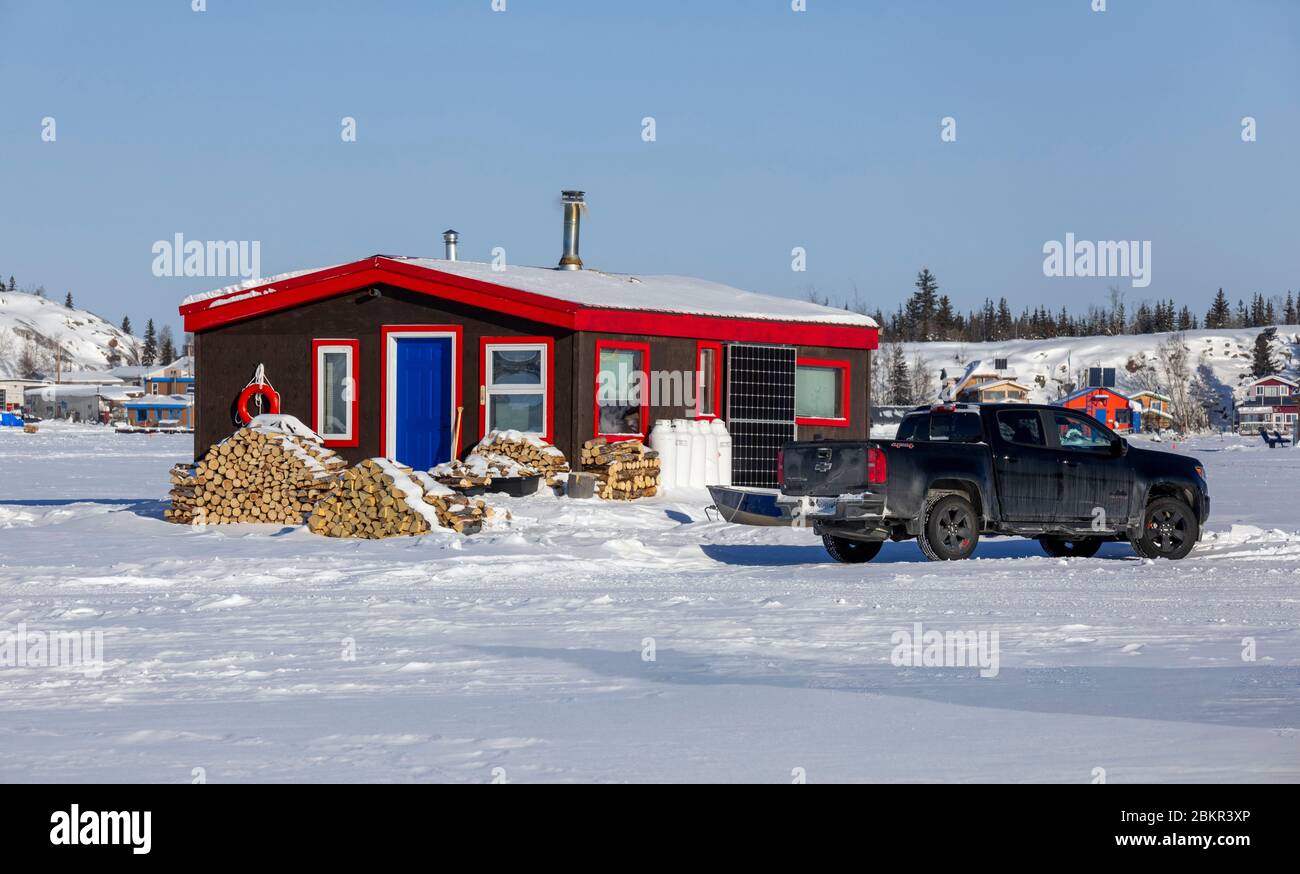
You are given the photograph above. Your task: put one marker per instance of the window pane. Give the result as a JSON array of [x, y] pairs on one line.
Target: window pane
[[620, 419], [517, 367], [618, 396], [1021, 426], [516, 412], [708, 373], [336, 413], [1077, 433], [817, 392]]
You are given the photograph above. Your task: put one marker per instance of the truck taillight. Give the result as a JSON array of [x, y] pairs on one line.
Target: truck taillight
[[877, 470], [780, 467]]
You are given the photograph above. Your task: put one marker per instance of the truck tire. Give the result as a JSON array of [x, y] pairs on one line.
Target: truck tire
[[950, 528], [851, 551], [1169, 530], [1064, 547]]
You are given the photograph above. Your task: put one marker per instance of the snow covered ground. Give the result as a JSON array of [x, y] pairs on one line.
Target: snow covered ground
[[518, 654]]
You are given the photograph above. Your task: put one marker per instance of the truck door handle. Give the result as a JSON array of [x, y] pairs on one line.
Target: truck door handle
[[1009, 460], [1069, 462]]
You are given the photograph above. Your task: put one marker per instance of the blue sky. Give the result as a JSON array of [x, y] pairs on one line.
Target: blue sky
[[775, 129]]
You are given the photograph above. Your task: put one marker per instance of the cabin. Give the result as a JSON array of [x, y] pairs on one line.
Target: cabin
[[1152, 411], [1269, 402], [995, 391], [415, 359], [1106, 405]]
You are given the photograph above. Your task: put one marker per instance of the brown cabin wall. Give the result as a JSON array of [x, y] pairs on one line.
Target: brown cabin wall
[[677, 353], [225, 358]]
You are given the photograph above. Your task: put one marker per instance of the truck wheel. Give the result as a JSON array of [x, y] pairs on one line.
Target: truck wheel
[[949, 529], [1169, 530], [851, 551], [1062, 547]]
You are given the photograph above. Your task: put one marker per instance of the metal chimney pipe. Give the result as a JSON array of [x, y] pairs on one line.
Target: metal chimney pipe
[[449, 239], [575, 202]]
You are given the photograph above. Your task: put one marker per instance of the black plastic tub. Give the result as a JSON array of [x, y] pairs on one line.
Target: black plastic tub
[[514, 486]]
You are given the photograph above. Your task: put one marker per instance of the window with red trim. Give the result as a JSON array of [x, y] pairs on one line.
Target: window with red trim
[[336, 381], [515, 375], [622, 386], [708, 379], [821, 392]]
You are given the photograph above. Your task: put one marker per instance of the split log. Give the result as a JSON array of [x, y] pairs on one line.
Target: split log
[[380, 498], [624, 470], [274, 470]]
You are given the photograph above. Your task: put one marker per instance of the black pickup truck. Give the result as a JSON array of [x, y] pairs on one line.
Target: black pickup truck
[[956, 471]]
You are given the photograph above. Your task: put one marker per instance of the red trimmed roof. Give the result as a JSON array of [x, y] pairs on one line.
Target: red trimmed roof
[[785, 321]]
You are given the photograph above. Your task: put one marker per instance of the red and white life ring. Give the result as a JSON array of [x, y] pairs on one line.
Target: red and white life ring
[[250, 391]]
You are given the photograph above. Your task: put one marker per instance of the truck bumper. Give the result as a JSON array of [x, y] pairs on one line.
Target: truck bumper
[[864, 508]]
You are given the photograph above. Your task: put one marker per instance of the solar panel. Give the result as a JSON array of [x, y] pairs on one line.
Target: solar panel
[[760, 410]]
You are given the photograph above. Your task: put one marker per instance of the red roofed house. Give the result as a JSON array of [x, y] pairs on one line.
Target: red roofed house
[[414, 359], [1105, 405]]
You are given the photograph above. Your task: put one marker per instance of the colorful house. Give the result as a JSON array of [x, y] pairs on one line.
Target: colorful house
[[1268, 403], [1153, 410], [161, 411], [995, 391], [1106, 405], [414, 359]]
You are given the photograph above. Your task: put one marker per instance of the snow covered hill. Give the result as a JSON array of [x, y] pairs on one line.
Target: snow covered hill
[[35, 324], [1222, 359]]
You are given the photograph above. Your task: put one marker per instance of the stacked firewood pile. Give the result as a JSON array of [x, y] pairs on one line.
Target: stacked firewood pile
[[505, 454], [380, 498], [624, 470], [273, 470]]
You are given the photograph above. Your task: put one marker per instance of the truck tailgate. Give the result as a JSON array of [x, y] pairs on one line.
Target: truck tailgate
[[825, 467]]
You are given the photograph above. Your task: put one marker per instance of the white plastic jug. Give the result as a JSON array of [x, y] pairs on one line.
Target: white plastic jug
[[681, 454], [719, 428], [664, 441], [699, 453]]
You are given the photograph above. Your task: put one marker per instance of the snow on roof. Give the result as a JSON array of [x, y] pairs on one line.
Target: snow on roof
[[161, 401], [102, 377], [1273, 377], [599, 290], [76, 390]]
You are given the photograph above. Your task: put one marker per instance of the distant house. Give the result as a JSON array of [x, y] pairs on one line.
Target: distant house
[[176, 378], [1269, 402], [161, 411], [1106, 405], [80, 402], [996, 391], [11, 392], [992, 376], [1152, 409]]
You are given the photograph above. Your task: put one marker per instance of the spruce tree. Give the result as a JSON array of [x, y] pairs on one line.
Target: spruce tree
[[1262, 362], [1220, 314], [126, 325], [67, 301], [166, 346], [149, 354]]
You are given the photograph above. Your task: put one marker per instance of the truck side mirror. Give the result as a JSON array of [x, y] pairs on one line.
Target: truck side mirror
[[1119, 448]]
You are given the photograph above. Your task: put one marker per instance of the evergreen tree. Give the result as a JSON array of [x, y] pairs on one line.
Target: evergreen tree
[[150, 352], [126, 324], [1220, 314], [67, 301], [166, 346], [13, 286], [900, 380], [1262, 362], [1290, 315]]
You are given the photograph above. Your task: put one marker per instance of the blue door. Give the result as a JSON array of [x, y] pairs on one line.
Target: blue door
[[423, 418]]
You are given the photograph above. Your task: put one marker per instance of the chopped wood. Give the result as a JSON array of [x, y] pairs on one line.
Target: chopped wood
[[380, 498], [261, 473], [502, 455], [624, 470]]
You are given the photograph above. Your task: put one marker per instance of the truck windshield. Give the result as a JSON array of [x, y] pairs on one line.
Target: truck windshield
[[941, 427]]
